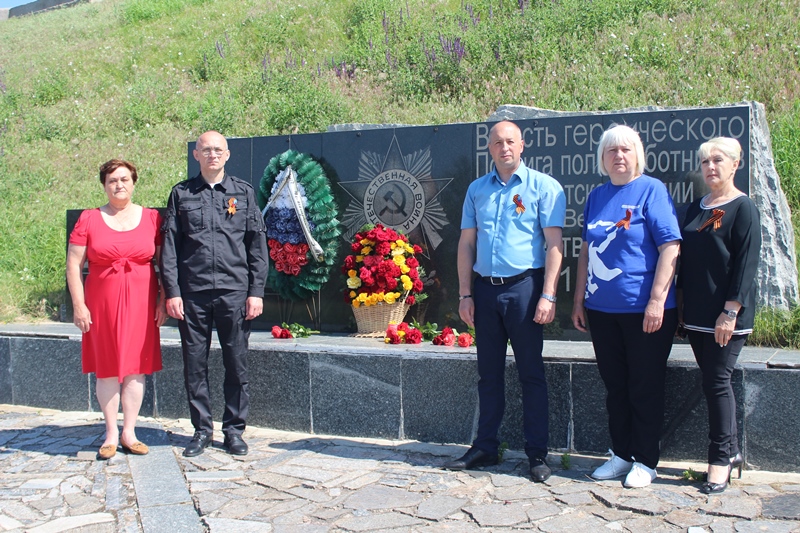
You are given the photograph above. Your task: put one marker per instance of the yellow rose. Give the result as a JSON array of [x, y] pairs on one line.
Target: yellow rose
[[353, 283], [405, 279], [379, 296], [398, 251], [356, 303], [409, 249], [399, 260], [359, 259], [366, 250], [408, 285], [353, 294], [362, 298], [405, 269], [390, 297]]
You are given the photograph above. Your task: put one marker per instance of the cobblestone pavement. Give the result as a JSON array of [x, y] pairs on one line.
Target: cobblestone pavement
[[292, 482]]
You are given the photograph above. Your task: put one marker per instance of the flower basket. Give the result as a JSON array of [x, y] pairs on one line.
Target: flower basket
[[373, 320]]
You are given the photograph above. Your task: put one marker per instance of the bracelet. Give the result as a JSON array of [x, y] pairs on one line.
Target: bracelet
[[549, 298], [464, 297]]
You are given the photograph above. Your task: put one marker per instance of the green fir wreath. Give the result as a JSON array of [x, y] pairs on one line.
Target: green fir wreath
[[321, 212]]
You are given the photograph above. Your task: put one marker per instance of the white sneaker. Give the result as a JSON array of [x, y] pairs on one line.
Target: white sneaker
[[640, 476], [614, 467]]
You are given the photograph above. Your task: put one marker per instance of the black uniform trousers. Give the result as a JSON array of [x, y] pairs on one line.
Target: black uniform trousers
[[226, 310], [633, 366], [716, 364], [503, 313]]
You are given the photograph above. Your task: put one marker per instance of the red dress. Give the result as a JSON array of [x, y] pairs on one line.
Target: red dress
[[121, 293]]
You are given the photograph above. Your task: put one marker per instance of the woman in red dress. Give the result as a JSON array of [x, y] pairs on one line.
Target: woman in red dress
[[119, 310]]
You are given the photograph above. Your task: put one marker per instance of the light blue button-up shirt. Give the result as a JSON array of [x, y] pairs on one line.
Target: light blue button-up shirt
[[510, 242]]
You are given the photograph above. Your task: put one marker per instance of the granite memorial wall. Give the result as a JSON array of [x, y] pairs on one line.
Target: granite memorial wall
[[414, 178]]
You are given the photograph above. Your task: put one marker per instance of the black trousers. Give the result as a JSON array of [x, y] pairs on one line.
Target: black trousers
[[503, 313], [225, 310], [716, 364], [633, 365]]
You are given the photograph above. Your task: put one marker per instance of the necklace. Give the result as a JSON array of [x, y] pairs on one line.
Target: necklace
[[120, 219]]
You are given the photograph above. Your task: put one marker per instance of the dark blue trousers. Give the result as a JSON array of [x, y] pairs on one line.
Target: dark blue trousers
[[225, 310], [503, 313]]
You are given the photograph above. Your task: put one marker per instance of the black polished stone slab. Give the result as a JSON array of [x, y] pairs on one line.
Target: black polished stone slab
[[169, 386], [47, 373], [279, 389], [5, 371], [451, 385], [589, 415], [356, 396], [772, 423]]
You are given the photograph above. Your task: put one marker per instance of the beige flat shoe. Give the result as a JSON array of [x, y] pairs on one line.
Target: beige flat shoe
[[137, 448], [107, 451]]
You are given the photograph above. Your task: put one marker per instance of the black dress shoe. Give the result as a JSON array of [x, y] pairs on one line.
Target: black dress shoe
[[474, 458], [198, 444], [540, 472], [235, 445]]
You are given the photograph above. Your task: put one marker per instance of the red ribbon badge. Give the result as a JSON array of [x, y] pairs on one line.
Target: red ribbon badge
[[715, 219], [518, 203]]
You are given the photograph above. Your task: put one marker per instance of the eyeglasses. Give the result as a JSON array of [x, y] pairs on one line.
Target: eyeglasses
[[215, 151]]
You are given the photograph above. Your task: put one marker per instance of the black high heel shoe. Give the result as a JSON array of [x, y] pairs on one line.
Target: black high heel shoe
[[715, 488]]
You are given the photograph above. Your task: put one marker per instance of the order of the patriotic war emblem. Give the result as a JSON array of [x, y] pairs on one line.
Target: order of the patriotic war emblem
[[398, 191]]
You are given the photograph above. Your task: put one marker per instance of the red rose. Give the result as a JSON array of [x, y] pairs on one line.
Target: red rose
[[402, 326], [391, 284], [383, 248], [449, 339], [412, 262], [417, 249], [349, 263], [393, 337], [465, 340], [286, 334], [276, 332], [356, 247], [437, 340], [410, 300], [413, 336], [447, 330], [418, 285]]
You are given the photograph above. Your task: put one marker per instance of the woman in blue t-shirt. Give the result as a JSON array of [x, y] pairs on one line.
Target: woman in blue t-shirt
[[625, 288]]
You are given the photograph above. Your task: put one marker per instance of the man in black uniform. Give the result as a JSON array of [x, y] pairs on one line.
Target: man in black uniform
[[214, 266]]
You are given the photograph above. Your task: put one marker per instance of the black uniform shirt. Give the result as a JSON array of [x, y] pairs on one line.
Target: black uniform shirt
[[214, 238]]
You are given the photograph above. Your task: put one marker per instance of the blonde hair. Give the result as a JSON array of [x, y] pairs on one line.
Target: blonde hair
[[727, 145], [620, 135]]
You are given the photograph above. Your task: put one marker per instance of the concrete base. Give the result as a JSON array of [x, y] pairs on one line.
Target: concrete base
[[364, 388]]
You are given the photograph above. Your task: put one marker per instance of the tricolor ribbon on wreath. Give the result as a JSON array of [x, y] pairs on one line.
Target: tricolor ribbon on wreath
[[287, 181]]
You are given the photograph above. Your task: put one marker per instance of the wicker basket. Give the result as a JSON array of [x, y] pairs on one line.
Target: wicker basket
[[373, 320]]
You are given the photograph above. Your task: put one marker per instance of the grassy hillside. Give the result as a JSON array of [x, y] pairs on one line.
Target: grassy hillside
[[137, 79]]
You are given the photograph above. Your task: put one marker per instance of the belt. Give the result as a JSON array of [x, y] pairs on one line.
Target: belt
[[511, 279]]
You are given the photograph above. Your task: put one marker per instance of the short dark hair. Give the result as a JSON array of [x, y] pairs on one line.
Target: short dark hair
[[110, 166]]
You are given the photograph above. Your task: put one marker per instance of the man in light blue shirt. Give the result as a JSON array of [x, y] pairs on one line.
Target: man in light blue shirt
[[509, 257]]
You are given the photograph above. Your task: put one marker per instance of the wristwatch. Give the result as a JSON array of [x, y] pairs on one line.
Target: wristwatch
[[464, 297], [731, 313], [549, 297]]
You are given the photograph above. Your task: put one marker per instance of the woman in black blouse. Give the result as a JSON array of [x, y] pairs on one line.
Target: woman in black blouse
[[719, 260]]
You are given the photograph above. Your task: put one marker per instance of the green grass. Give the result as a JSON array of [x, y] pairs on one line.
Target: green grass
[[139, 78]]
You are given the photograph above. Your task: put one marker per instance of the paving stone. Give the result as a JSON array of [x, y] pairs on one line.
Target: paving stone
[[300, 528], [572, 488], [319, 496], [310, 474], [541, 509], [783, 507], [574, 500], [504, 480], [114, 494], [733, 506], [209, 501], [45, 504], [277, 481], [687, 519], [375, 522], [527, 491], [171, 517], [759, 490], [439, 507], [73, 522], [200, 477], [449, 527], [644, 505], [380, 497], [497, 514], [722, 525], [648, 524], [82, 504], [790, 488], [282, 508], [609, 514], [770, 526], [578, 521], [39, 484], [20, 511], [242, 508]]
